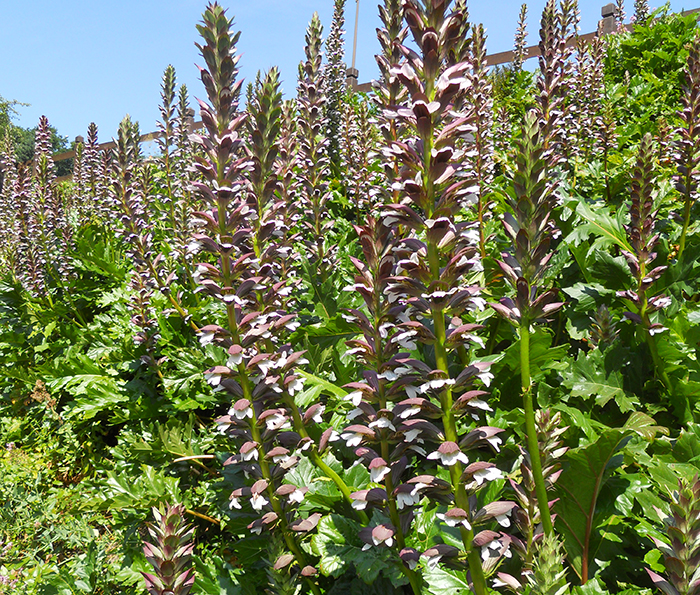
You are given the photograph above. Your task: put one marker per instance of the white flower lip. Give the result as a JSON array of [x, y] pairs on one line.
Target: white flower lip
[[489, 474], [352, 438], [355, 397], [449, 454], [404, 499], [383, 423], [257, 501]]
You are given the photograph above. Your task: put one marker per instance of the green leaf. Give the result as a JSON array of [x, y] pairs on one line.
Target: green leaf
[[588, 296], [608, 230], [215, 577], [542, 356], [315, 387], [328, 332], [590, 427], [653, 559], [644, 425], [592, 587], [441, 582], [357, 477], [578, 489], [426, 529], [587, 378], [337, 543], [610, 270]]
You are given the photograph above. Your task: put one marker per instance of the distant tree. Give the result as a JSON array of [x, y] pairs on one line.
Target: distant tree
[[24, 137], [7, 112], [24, 147]]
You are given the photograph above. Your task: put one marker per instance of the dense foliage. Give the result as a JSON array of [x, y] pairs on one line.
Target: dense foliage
[[439, 339]]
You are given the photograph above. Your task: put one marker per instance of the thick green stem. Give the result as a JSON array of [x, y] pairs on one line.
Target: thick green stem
[[531, 430], [318, 460]]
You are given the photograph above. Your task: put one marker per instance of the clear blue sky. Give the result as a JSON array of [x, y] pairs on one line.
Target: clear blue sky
[[78, 61]]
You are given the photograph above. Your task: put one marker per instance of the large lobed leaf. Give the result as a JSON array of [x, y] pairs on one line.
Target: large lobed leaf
[[580, 484]]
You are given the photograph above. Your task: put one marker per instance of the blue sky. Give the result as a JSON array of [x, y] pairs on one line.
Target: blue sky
[[78, 61]]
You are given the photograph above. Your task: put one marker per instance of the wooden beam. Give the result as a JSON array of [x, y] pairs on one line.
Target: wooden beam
[[532, 51], [144, 138]]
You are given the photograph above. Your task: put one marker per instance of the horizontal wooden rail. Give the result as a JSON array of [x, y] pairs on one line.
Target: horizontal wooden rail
[[497, 59], [144, 138], [532, 51]]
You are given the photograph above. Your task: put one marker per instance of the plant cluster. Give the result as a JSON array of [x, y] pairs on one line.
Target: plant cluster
[[443, 338]]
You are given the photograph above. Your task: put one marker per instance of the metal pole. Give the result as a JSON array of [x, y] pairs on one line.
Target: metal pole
[[354, 43]]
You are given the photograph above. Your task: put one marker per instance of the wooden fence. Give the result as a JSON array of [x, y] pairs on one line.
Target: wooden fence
[[607, 25]]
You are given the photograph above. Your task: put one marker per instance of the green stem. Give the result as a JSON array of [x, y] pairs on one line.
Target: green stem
[[493, 335], [531, 430], [318, 460]]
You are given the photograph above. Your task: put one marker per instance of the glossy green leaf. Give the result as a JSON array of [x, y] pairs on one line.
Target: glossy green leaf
[[441, 581], [578, 489]]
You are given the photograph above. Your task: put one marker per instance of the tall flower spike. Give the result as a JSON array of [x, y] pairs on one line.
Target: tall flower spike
[[131, 188], [54, 231], [78, 191], [552, 80], [520, 44], [681, 549], [29, 264], [388, 90], [334, 79], [169, 206], [183, 125], [93, 175], [166, 125], [641, 11], [436, 258], [288, 187], [265, 111], [461, 50], [313, 160], [9, 232], [548, 573], [259, 376], [480, 154], [586, 99], [374, 414], [620, 13], [360, 141], [603, 329], [530, 229], [167, 116], [185, 200], [527, 517], [687, 153], [643, 239], [170, 554]]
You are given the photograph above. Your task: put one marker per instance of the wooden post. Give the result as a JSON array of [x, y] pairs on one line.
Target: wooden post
[[354, 42], [609, 23], [353, 74]]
